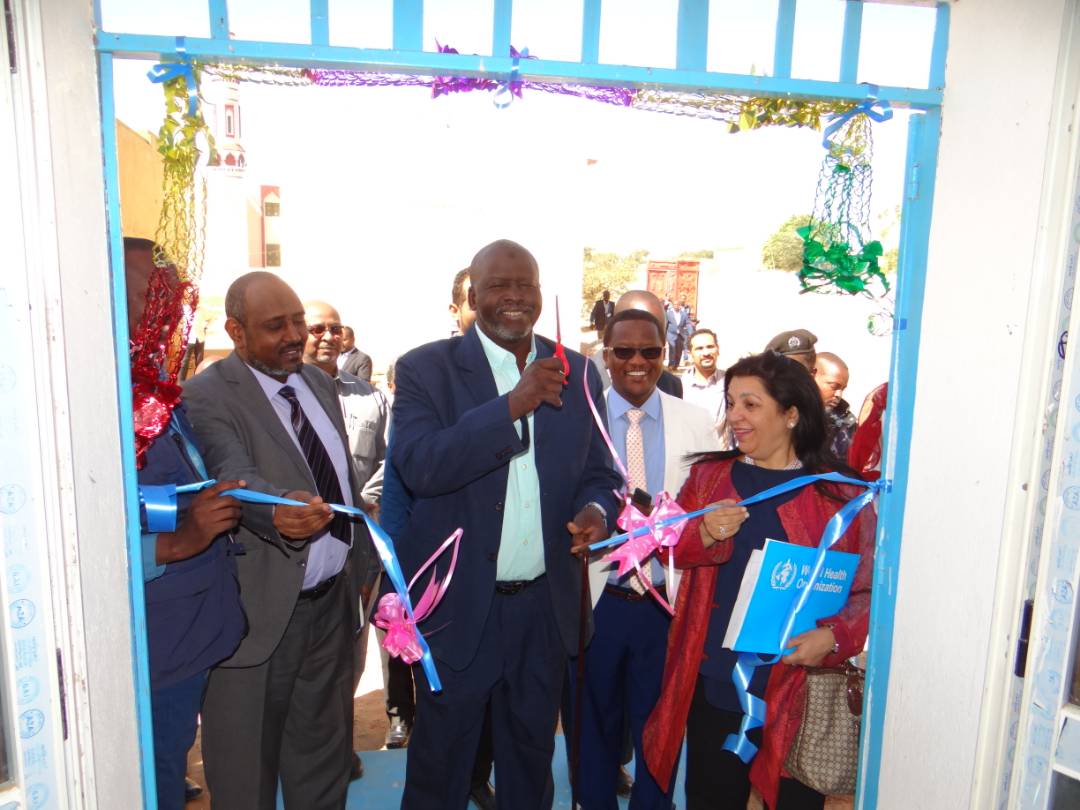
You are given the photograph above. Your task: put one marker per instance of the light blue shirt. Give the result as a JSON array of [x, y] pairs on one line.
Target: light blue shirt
[[326, 553], [521, 544], [652, 440]]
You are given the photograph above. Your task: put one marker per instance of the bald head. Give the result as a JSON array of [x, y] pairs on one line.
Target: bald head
[[644, 301], [505, 293], [499, 253], [831, 375], [266, 323]]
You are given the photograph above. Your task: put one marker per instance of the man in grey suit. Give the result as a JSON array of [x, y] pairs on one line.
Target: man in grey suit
[[281, 707], [351, 359]]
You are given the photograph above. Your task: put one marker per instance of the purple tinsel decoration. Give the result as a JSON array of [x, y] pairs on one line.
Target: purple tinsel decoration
[[444, 85]]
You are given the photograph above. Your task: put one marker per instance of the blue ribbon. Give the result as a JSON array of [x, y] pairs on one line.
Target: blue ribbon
[[884, 113], [754, 707], [764, 495], [167, 71], [159, 501], [504, 96], [161, 496]]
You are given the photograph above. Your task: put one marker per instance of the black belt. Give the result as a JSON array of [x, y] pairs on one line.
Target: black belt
[[320, 590], [631, 595], [508, 587]]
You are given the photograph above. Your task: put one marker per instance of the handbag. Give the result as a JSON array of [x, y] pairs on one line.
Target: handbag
[[825, 754]]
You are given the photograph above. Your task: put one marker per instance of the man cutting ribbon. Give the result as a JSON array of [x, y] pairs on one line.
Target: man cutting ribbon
[[487, 438], [280, 709]]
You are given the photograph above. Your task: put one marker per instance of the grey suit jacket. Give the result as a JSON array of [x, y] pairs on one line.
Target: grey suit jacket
[[242, 437], [367, 416], [358, 364]]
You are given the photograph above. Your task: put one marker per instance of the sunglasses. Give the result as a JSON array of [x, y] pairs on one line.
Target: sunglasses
[[626, 352], [319, 329]]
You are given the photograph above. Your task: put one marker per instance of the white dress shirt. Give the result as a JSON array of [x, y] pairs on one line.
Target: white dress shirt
[[326, 554]]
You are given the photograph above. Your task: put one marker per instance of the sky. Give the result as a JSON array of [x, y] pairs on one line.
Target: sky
[[385, 187]]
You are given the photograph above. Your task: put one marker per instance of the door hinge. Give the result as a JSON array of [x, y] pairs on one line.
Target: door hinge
[[63, 692], [9, 26], [1022, 641], [913, 183]]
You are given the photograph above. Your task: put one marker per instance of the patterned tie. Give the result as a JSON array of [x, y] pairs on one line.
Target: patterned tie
[[318, 460], [635, 465]]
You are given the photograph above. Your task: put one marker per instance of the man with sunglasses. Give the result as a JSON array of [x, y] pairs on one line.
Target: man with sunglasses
[[652, 433], [366, 413], [365, 408]]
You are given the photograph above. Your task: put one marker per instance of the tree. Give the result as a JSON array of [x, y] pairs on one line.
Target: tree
[[608, 271], [784, 249], [888, 231]]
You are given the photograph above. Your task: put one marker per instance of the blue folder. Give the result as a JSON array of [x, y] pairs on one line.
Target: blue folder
[[774, 577]]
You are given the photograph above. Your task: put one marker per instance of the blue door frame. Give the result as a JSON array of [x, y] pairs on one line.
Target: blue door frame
[[689, 75]]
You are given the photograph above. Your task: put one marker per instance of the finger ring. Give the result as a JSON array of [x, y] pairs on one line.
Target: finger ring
[[723, 530]]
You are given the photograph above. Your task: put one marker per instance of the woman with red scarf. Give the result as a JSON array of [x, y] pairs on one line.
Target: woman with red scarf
[[777, 419]]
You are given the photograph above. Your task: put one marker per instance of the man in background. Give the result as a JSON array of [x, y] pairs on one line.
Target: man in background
[[461, 314], [365, 408], [798, 344], [678, 322], [601, 312], [831, 375], [351, 359], [366, 416], [703, 385]]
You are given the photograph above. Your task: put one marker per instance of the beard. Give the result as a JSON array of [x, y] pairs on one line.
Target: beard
[[507, 333], [270, 371]]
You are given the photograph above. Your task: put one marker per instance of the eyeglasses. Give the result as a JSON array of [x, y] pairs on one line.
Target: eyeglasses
[[626, 352], [318, 329]]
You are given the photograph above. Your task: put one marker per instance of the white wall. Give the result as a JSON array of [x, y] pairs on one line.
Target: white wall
[[67, 240], [999, 89]]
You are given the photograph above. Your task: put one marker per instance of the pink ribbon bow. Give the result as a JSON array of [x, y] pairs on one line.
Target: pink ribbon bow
[[639, 548], [393, 616]]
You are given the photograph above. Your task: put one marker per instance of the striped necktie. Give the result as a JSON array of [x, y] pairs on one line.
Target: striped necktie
[[318, 460]]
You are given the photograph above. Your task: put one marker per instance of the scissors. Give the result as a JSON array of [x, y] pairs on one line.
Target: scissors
[[560, 352]]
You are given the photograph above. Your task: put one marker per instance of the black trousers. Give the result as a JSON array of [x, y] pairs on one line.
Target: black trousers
[[517, 674], [401, 702], [717, 779]]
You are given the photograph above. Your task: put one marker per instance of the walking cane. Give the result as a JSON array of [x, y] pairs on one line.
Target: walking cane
[[583, 626]]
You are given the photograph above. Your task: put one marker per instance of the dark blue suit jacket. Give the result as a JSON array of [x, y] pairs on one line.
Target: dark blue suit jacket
[[193, 613], [452, 442]]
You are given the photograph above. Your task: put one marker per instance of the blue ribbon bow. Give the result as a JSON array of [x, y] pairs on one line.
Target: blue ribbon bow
[[754, 707], [867, 108], [160, 501], [167, 71], [504, 96]]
